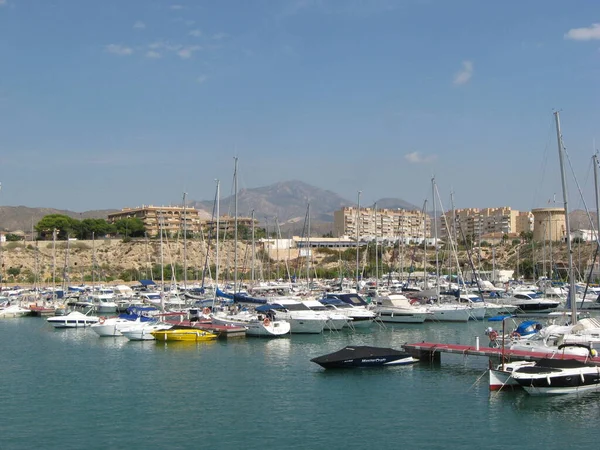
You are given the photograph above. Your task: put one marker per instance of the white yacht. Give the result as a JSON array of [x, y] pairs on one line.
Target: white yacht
[[359, 317], [335, 320], [74, 319], [396, 308], [256, 324], [300, 316]]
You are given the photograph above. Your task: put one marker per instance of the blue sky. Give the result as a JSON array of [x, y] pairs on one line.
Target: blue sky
[[116, 103]]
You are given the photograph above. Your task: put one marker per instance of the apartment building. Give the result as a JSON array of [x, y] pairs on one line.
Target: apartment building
[[477, 222], [172, 218], [381, 223]]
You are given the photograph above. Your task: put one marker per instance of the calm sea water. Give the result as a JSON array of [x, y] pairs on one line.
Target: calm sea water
[[69, 389]]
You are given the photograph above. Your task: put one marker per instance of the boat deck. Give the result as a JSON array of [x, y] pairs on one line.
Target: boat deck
[[431, 351]]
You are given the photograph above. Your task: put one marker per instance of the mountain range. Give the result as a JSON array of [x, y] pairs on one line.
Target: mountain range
[[287, 201]]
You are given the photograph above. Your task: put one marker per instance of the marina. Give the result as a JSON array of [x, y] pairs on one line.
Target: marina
[[424, 405]]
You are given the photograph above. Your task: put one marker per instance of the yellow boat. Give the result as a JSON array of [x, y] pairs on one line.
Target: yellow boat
[[187, 334]]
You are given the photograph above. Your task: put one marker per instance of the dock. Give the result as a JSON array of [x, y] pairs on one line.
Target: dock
[[41, 311], [431, 352]]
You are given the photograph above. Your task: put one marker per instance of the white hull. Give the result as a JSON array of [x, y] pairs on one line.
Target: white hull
[[13, 311], [72, 320], [273, 329], [560, 390], [398, 316], [449, 314], [336, 324], [143, 333], [306, 326], [478, 312]]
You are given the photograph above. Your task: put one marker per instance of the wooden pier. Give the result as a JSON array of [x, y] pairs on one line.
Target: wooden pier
[[431, 352]]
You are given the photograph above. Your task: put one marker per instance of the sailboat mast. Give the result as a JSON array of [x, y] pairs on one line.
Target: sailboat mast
[[253, 250], [235, 227], [376, 251], [357, 237], [435, 240], [217, 241], [162, 264], [184, 244], [595, 158], [567, 222], [425, 281]]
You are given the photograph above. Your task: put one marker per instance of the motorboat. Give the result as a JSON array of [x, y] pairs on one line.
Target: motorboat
[[359, 317], [551, 376], [335, 320], [500, 377], [301, 318], [14, 311], [142, 331], [112, 326], [256, 324], [188, 334], [74, 319], [532, 302], [364, 356], [449, 312], [396, 308]]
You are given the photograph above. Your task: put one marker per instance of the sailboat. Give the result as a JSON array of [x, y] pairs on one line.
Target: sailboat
[[568, 375]]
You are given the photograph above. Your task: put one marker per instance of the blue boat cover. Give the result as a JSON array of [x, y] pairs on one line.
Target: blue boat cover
[[499, 318], [147, 283], [268, 307]]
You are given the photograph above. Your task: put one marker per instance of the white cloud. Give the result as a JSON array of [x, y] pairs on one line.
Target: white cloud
[[195, 33], [153, 54], [118, 49], [176, 7], [187, 52], [465, 74], [139, 25], [201, 79], [417, 158], [584, 34]]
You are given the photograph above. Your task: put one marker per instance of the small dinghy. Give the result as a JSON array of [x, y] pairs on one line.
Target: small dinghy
[[364, 356]]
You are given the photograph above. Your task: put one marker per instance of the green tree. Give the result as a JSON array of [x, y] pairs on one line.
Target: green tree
[[64, 225], [89, 228], [14, 237], [130, 227]]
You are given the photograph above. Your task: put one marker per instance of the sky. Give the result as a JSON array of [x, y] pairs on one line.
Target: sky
[[122, 103]]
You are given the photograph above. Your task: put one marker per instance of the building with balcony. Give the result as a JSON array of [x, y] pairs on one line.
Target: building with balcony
[[475, 222], [370, 223]]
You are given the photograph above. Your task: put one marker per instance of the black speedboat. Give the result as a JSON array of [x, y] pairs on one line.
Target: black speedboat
[[364, 356], [558, 376]]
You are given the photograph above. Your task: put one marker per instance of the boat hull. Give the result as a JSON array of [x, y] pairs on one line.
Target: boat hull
[[184, 335], [364, 356]]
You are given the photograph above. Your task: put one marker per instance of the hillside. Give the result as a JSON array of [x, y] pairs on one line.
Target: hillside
[[285, 200]]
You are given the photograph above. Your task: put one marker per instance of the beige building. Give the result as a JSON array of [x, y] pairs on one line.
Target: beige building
[[381, 223], [479, 222], [549, 224], [172, 218], [175, 218]]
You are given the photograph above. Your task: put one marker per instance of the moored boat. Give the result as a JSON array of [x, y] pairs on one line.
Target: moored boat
[[175, 334], [364, 356], [558, 376], [74, 319]]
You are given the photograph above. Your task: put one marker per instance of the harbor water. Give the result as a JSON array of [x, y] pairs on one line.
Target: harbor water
[[70, 389]]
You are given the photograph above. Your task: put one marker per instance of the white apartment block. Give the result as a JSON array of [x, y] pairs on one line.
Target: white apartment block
[[381, 223]]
